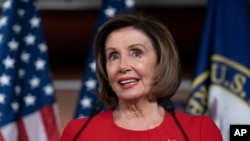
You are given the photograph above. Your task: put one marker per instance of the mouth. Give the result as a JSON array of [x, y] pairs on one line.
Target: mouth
[[128, 81]]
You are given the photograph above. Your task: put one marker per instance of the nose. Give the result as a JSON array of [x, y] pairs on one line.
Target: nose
[[124, 66]]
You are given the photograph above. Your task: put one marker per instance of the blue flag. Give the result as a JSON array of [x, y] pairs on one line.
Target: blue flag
[[28, 109], [89, 89], [221, 87]]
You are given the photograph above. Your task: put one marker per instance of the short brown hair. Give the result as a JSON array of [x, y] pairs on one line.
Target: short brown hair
[[167, 75]]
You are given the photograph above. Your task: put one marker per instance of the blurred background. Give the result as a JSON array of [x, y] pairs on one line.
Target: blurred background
[[212, 37]]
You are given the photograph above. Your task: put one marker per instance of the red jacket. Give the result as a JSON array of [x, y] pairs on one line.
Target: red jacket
[[103, 128]]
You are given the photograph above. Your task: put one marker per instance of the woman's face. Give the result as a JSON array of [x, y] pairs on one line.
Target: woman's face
[[131, 61]]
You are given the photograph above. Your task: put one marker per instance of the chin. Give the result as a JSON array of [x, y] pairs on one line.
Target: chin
[[131, 98]]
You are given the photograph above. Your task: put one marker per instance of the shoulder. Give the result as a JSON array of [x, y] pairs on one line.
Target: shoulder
[[74, 125], [71, 129], [193, 118], [203, 126], [197, 120], [97, 119]]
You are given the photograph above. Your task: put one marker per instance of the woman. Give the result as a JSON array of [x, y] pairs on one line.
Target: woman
[[138, 68]]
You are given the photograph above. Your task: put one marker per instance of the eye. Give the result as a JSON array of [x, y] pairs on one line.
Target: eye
[[136, 52], [113, 56]]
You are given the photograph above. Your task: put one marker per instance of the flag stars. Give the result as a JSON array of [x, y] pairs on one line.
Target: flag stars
[[21, 73], [48, 90], [2, 98], [34, 82], [3, 21], [92, 66], [129, 3], [25, 57], [90, 84], [15, 106], [1, 38], [17, 28], [34, 3], [6, 5], [29, 100], [17, 90], [13, 45], [110, 12], [20, 12], [8, 62], [86, 102], [30, 39], [40, 64], [4, 80], [35, 22], [82, 116], [43, 47]]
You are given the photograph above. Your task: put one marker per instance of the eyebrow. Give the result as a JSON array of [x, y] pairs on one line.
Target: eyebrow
[[110, 48], [131, 46]]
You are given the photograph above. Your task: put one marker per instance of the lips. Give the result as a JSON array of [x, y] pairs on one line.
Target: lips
[[128, 82]]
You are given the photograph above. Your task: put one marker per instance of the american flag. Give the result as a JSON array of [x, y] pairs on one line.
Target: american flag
[[28, 109], [87, 97]]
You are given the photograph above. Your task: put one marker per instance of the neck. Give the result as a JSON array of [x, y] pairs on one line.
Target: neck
[[138, 115]]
